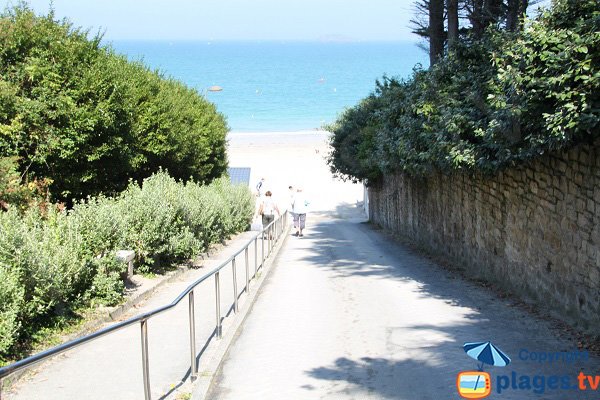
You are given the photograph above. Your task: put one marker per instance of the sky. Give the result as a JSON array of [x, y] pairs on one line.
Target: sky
[[355, 20]]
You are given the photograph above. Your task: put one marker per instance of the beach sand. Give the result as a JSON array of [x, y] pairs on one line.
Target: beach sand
[[292, 158]]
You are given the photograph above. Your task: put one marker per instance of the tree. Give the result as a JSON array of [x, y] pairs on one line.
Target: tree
[[436, 30], [453, 23], [78, 115], [464, 18], [429, 24], [515, 12]]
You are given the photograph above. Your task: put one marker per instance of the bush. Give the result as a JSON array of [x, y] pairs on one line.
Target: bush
[[54, 261], [154, 222], [88, 120], [548, 81], [14, 192], [11, 304], [489, 104], [12, 291]]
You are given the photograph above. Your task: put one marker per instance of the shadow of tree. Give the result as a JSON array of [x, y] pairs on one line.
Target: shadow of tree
[[386, 379], [425, 357]]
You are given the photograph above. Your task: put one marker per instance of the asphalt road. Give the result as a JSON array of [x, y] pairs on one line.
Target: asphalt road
[[347, 313]]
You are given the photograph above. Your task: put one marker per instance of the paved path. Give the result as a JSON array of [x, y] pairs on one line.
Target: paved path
[[111, 367], [348, 314]]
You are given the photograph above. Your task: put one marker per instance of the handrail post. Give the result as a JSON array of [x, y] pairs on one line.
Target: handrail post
[[270, 237], [218, 304], [262, 251], [192, 318], [247, 270], [145, 361], [255, 256], [235, 288]]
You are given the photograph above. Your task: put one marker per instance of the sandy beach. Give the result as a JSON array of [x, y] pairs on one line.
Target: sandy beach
[[292, 158]]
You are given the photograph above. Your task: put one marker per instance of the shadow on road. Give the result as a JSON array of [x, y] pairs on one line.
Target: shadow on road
[[378, 377], [426, 356]]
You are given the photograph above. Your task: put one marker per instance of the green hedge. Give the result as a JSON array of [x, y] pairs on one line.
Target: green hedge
[[488, 104], [74, 112], [52, 262]]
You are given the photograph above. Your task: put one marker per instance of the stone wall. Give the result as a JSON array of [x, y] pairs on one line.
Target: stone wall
[[534, 230]]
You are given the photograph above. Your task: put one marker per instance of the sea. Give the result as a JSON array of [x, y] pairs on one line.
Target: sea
[[270, 86]]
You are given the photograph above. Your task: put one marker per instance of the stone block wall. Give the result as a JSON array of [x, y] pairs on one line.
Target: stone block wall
[[533, 229]]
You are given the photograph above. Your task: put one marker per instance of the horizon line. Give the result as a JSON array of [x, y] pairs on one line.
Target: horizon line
[[315, 40]]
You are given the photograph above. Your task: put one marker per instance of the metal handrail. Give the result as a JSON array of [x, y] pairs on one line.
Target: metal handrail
[[273, 231]]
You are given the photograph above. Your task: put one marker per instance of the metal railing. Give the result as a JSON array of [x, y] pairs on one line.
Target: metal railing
[[269, 234]]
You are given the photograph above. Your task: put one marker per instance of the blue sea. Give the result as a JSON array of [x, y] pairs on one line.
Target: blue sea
[[278, 86]]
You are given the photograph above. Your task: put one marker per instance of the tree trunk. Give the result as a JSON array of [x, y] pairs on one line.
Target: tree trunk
[[512, 15], [436, 30], [476, 18], [522, 12], [452, 10], [492, 10], [515, 14]]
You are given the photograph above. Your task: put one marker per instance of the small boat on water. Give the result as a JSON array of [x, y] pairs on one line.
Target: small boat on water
[[215, 88]]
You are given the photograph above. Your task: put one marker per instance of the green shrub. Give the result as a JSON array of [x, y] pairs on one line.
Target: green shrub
[[11, 304], [53, 261], [154, 222], [54, 273], [100, 224], [107, 285], [548, 81], [488, 104], [88, 120], [237, 205], [12, 292]]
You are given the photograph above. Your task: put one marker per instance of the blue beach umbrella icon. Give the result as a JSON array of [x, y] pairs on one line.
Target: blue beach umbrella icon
[[486, 353]]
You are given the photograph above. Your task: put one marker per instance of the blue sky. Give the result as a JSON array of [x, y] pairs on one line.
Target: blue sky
[[238, 19]]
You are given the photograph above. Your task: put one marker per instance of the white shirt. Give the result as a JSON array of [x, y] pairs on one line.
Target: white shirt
[[300, 204]]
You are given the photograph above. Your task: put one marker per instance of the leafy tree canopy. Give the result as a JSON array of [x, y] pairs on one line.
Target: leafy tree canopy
[[74, 112], [490, 103]]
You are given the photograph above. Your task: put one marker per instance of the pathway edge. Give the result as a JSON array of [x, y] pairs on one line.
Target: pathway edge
[[206, 375]]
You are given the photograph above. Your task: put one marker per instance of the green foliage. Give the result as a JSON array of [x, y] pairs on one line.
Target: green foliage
[[490, 103], [548, 80], [14, 192], [154, 221], [107, 285], [54, 261], [11, 303], [353, 144], [89, 120]]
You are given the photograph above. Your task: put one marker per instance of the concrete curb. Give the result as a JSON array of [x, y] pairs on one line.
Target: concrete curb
[[216, 352]]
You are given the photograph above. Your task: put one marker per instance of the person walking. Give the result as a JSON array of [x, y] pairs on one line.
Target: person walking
[[291, 204], [299, 209], [260, 187], [267, 209]]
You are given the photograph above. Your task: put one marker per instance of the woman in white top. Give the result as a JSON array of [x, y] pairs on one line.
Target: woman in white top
[[267, 209]]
